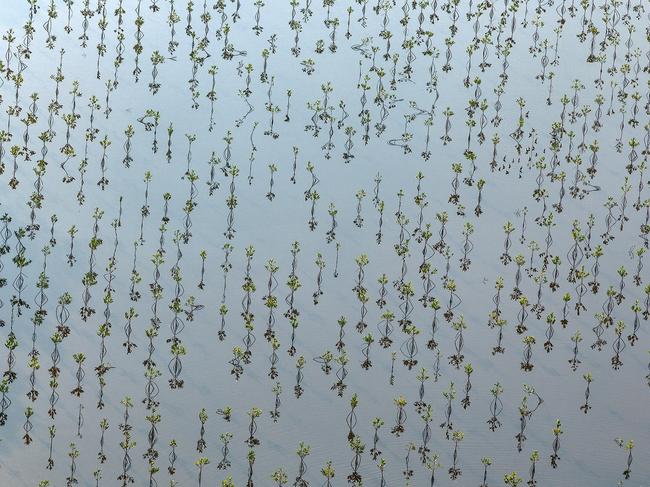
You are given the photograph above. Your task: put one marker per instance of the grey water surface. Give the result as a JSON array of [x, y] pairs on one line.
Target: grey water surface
[[589, 455]]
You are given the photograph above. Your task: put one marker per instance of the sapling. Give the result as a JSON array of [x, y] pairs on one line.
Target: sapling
[[557, 431]]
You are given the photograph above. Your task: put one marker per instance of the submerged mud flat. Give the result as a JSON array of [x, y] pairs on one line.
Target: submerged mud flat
[[348, 242]]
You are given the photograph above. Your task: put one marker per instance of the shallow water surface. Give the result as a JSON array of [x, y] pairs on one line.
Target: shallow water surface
[[386, 118]]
